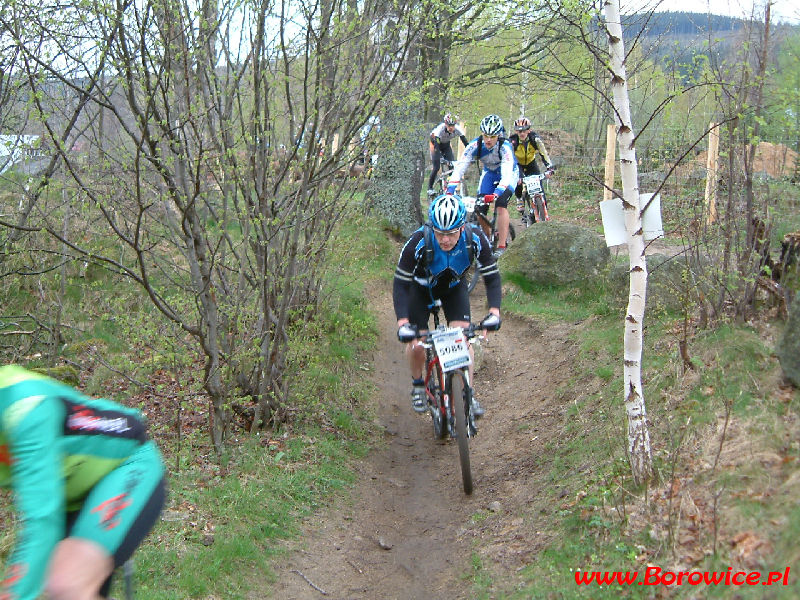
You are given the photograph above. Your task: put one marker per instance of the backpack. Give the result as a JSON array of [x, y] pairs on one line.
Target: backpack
[[427, 253], [500, 141]]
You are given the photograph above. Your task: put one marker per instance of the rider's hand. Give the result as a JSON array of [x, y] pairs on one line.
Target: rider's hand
[[549, 172], [491, 322], [407, 332]]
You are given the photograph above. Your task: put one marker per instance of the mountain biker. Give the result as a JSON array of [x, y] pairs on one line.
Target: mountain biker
[[419, 280], [499, 175], [439, 145], [527, 146], [88, 486]]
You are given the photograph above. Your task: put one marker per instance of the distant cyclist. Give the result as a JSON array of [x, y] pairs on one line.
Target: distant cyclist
[[499, 176], [527, 148], [439, 145], [88, 486], [422, 277]]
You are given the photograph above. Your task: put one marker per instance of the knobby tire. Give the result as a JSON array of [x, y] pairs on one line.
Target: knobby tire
[[527, 210], [539, 199], [459, 399], [435, 388]]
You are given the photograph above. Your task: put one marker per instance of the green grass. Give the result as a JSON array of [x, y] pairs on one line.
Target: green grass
[[735, 367], [553, 303]]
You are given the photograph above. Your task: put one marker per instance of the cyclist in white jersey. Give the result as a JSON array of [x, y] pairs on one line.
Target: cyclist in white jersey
[[500, 172], [439, 145]]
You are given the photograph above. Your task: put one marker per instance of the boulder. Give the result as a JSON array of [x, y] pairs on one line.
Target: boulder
[[556, 254], [789, 346]]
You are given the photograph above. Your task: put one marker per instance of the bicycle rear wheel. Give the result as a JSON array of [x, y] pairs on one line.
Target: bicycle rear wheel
[[460, 399]]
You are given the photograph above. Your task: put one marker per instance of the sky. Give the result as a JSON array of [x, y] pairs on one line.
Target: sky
[[782, 10]]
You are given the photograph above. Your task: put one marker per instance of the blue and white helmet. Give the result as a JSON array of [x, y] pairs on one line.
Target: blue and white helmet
[[447, 213], [492, 125]]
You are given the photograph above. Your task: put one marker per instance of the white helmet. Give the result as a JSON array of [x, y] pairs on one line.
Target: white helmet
[[492, 125], [447, 213]]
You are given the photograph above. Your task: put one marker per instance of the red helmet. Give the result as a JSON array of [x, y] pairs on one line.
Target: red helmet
[[522, 124]]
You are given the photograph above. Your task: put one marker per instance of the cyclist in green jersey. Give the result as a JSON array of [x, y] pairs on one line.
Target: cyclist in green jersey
[[88, 486]]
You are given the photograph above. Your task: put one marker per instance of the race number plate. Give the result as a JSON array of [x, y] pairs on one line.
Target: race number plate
[[451, 347], [469, 203], [533, 183]]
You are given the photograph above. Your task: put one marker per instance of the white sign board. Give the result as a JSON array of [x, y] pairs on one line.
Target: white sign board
[[614, 219]]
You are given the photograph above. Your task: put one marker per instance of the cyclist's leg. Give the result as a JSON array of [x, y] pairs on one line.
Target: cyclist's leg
[[114, 519], [435, 160], [501, 208], [418, 314], [447, 152], [487, 183], [524, 171], [78, 565]]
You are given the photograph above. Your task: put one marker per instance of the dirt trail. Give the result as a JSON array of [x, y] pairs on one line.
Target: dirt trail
[[407, 530]]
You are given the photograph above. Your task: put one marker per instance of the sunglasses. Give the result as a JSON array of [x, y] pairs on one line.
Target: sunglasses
[[451, 233]]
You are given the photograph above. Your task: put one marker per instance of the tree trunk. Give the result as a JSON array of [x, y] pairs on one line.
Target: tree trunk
[[638, 435]]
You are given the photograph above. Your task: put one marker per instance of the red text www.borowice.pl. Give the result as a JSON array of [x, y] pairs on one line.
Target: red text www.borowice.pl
[[657, 576]]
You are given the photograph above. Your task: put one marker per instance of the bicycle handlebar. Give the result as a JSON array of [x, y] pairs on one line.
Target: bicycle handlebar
[[408, 332]]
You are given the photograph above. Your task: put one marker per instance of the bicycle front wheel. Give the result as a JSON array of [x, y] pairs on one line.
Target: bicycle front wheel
[[527, 210], [460, 398], [435, 404], [540, 208]]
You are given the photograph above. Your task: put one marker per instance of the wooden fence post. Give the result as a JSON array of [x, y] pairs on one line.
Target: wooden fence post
[[611, 153], [711, 173]]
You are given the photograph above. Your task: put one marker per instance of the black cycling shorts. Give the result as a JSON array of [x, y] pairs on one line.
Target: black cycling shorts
[[455, 304]]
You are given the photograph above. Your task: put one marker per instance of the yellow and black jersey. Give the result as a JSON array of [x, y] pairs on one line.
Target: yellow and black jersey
[[525, 151]]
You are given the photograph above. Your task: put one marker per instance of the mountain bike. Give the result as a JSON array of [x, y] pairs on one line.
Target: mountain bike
[[446, 168], [447, 386], [477, 214], [534, 199]]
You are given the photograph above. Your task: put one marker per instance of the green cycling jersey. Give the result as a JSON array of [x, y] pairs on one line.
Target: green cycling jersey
[[56, 445]]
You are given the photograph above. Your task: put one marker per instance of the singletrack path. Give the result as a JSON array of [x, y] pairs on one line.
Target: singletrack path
[[408, 531]]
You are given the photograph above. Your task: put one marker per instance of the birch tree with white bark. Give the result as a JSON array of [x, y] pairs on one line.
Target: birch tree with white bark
[[638, 434]]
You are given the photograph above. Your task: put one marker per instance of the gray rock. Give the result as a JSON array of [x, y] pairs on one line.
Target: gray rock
[[556, 254]]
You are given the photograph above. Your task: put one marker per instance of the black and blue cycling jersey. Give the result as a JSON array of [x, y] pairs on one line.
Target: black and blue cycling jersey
[[446, 269]]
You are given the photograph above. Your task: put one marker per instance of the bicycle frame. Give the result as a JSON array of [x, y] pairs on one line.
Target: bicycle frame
[[446, 168], [479, 216]]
